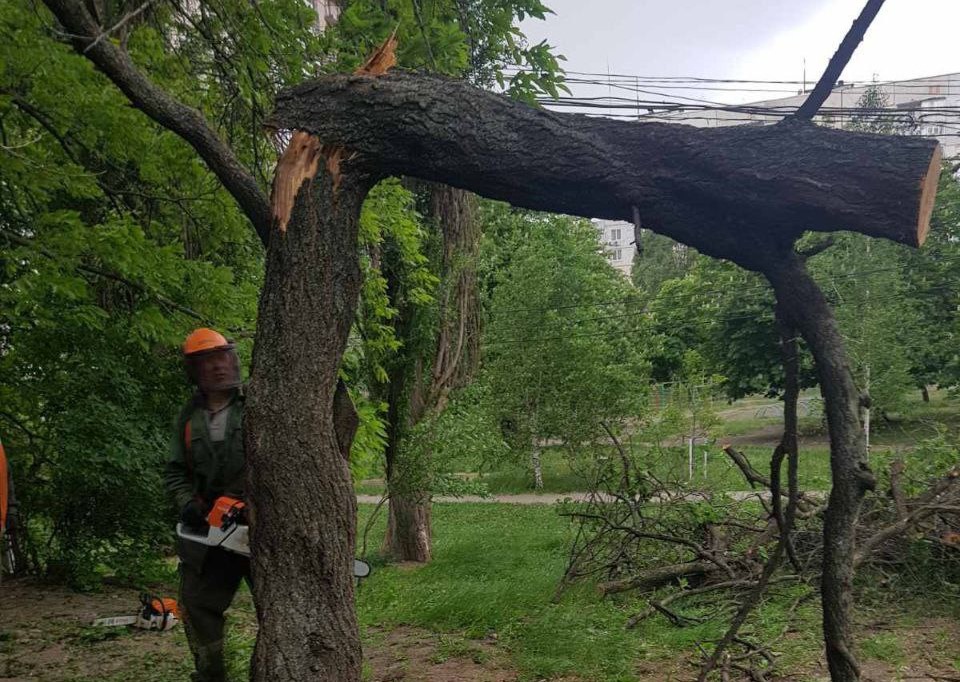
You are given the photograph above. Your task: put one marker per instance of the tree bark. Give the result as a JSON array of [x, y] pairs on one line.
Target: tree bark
[[537, 469], [303, 503], [409, 527], [734, 192], [805, 308]]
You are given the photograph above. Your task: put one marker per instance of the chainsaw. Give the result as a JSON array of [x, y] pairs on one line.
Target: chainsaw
[[156, 613], [228, 530]]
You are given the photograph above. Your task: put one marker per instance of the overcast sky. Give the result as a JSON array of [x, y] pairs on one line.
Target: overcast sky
[[750, 39]]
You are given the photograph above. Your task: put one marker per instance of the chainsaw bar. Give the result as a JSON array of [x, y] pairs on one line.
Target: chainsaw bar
[[115, 621]]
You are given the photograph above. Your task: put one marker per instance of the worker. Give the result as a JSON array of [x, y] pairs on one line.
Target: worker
[[8, 515], [207, 461]]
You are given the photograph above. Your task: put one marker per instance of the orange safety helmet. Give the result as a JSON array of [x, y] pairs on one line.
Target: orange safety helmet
[[199, 349], [205, 340]]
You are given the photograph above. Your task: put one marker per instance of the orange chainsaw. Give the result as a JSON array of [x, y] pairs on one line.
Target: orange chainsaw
[[156, 613], [228, 530]]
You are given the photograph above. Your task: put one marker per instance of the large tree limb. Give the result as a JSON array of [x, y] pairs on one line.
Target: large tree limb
[[159, 105], [657, 577], [734, 192]]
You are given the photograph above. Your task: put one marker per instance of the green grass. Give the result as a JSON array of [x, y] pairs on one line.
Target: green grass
[[883, 647], [562, 476], [495, 570]]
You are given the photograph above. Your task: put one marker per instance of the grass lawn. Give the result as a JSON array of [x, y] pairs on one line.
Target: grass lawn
[[755, 422], [488, 593], [495, 570]]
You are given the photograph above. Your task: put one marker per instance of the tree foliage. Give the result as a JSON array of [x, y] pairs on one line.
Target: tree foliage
[[558, 362], [115, 243]]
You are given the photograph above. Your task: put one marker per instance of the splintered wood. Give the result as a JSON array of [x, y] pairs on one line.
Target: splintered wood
[[383, 59], [299, 162], [297, 165]]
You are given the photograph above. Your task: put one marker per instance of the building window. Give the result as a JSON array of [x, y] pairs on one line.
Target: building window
[[615, 233], [617, 254]]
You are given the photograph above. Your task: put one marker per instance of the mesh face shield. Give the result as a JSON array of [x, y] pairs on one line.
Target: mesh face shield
[[214, 370]]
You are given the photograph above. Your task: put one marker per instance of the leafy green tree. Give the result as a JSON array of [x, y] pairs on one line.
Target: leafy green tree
[[930, 287], [559, 359], [877, 319], [115, 243]]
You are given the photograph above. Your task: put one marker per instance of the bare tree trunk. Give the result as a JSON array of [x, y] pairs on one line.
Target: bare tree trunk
[[806, 309], [537, 470], [409, 530], [408, 536], [304, 508]]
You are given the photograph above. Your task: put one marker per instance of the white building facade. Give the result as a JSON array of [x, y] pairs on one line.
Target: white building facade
[[327, 12], [929, 104], [617, 240]]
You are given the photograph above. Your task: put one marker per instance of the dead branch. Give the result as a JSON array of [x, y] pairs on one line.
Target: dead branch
[[696, 591], [657, 577], [754, 477], [787, 446], [922, 508]]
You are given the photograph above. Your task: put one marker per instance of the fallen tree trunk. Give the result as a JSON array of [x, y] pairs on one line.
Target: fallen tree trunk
[[734, 192]]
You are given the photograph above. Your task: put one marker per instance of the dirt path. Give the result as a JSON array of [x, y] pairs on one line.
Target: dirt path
[[45, 636]]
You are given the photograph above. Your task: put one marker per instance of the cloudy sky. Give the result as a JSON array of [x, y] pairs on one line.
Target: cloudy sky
[[750, 39]]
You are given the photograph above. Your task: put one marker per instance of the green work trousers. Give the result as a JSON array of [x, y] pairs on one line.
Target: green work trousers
[[205, 595]]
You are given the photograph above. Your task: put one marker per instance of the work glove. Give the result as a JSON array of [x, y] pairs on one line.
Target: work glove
[[194, 514]]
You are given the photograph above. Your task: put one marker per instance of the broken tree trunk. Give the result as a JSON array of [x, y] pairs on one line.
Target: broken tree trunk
[[303, 503], [741, 193], [734, 192]]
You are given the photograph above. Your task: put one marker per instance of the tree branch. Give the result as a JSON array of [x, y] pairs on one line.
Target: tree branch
[[732, 192], [170, 113], [923, 507], [838, 62]]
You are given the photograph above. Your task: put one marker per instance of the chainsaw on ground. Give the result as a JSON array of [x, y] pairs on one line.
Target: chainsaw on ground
[[228, 530], [155, 613]]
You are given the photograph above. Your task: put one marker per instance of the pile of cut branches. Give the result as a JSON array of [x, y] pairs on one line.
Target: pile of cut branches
[[644, 535]]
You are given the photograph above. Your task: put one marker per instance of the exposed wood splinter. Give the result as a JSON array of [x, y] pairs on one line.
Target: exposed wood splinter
[[383, 59], [299, 162], [297, 165]]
